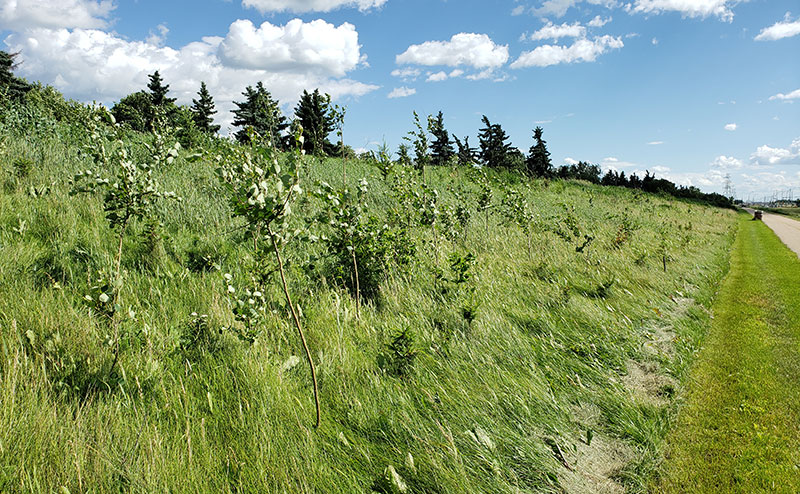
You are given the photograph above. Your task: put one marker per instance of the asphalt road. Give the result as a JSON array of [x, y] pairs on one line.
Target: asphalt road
[[787, 229]]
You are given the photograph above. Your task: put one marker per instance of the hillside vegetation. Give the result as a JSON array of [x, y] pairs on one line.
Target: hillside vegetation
[[501, 334]]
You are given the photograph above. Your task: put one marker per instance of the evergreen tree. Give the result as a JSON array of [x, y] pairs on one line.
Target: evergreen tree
[[538, 163], [441, 147], [14, 87], [466, 154], [495, 151], [158, 91], [261, 113], [313, 111], [203, 109]]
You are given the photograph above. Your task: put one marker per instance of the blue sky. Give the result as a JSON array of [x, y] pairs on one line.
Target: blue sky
[[689, 89]]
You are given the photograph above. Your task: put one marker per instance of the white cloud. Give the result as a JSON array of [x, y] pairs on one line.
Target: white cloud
[[553, 31], [570, 161], [784, 97], [300, 6], [655, 143], [687, 8], [654, 41], [407, 73], [463, 49], [92, 65], [17, 15], [780, 30], [158, 38], [298, 46], [726, 163], [599, 21], [559, 7], [402, 92], [582, 50], [518, 10], [731, 127], [437, 77], [766, 155]]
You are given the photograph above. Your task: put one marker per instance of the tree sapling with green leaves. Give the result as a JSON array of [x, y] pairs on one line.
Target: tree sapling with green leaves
[[262, 192]]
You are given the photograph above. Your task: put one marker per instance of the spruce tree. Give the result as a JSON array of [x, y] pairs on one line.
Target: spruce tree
[[313, 111], [538, 162], [261, 113], [495, 151], [441, 147], [202, 111], [466, 154], [13, 87], [158, 90]]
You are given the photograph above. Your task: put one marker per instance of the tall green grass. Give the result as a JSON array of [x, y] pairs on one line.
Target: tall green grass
[[543, 363]]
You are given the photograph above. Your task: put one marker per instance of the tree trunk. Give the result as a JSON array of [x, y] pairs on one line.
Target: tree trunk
[[297, 323]]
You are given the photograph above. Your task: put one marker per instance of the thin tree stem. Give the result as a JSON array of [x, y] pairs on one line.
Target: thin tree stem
[[296, 323], [358, 287]]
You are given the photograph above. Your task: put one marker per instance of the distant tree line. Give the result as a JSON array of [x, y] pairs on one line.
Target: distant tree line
[[260, 114]]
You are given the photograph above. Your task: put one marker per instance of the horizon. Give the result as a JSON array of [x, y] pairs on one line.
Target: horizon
[[690, 91]]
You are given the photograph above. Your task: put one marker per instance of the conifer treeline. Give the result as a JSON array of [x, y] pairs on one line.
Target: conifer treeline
[[259, 112]]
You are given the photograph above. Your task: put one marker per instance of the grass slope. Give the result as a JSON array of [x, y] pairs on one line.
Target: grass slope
[[739, 430], [504, 404]]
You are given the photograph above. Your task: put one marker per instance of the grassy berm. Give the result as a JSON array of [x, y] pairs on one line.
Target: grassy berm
[[543, 361]]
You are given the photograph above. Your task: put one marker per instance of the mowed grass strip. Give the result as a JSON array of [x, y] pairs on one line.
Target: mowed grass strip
[[740, 428]]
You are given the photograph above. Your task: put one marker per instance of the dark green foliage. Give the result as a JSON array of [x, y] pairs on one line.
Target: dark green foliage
[[13, 87], [466, 154], [580, 171], [135, 110], [361, 249], [495, 152], [401, 353], [205, 256], [313, 113], [419, 140], [159, 90], [441, 147], [261, 114], [202, 111], [538, 162]]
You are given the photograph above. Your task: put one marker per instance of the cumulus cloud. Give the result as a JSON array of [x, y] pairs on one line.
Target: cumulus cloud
[[301, 6], [17, 15], [402, 92], [766, 155], [89, 64], [570, 161], [599, 21], [786, 97], [560, 7], [298, 46], [687, 8], [463, 49], [437, 77], [731, 127], [782, 29], [582, 50], [655, 143], [726, 163], [407, 73], [553, 31]]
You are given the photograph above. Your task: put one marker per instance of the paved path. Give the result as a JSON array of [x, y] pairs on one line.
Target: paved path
[[787, 229]]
